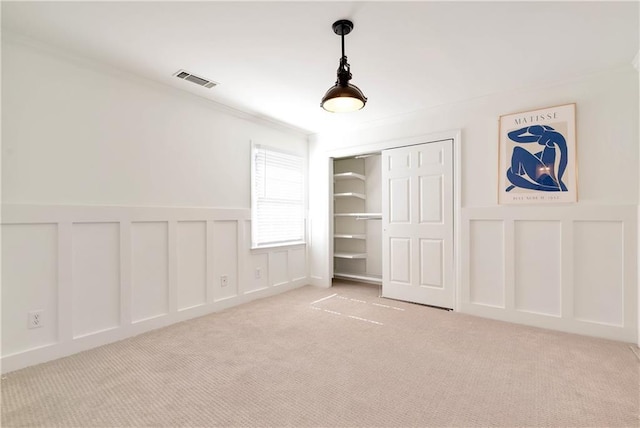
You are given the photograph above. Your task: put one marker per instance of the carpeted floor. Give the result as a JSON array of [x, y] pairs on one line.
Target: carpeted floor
[[334, 357]]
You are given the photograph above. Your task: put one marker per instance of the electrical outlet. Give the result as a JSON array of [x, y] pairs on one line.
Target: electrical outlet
[[224, 280], [35, 319], [258, 273]]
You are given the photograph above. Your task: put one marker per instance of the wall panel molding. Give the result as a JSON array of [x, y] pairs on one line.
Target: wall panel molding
[[587, 252], [484, 278], [125, 273], [126, 244], [538, 267], [96, 277], [30, 260], [192, 264]]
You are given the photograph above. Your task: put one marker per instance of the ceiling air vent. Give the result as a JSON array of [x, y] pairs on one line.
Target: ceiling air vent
[[185, 75]]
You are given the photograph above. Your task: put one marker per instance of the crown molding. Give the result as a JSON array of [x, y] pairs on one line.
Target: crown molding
[[113, 70]]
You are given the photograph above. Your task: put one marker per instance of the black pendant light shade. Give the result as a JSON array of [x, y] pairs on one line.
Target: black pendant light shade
[[343, 96]]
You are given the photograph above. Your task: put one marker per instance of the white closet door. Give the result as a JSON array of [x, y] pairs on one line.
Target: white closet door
[[417, 223]]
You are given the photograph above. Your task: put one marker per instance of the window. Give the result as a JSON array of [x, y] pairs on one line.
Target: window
[[277, 197]]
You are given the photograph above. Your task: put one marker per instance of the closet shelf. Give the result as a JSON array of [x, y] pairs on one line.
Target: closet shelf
[[349, 255], [350, 235], [349, 195], [348, 176], [361, 216], [359, 277]]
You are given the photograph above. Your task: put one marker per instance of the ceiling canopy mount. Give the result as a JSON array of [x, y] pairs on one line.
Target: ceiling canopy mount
[[342, 28]]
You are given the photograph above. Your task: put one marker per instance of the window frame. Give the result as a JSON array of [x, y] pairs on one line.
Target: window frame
[[254, 198]]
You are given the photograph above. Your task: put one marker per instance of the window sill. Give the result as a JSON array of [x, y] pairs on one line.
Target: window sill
[[266, 248]]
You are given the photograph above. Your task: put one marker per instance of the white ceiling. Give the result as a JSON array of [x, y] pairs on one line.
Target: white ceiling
[[276, 59]]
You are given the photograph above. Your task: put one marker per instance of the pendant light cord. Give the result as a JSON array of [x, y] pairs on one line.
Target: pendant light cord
[[344, 72]]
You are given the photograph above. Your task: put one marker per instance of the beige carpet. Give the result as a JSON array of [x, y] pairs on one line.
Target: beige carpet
[[350, 359]]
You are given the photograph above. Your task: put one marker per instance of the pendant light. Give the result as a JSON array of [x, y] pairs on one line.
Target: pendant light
[[343, 96]]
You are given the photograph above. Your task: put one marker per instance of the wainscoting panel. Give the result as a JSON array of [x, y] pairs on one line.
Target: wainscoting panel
[[278, 268], [538, 267], [150, 270], [297, 266], [29, 260], [259, 273], [96, 277], [599, 272], [192, 264], [106, 273], [486, 263], [225, 259], [568, 268]]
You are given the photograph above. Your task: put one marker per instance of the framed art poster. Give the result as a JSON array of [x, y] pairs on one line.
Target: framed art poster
[[538, 156]]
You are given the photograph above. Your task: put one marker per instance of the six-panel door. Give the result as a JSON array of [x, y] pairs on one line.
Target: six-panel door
[[417, 222]]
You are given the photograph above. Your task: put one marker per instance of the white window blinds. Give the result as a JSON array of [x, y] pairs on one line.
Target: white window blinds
[[277, 197]]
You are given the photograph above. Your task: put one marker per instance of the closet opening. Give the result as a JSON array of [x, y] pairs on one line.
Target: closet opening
[[357, 218]]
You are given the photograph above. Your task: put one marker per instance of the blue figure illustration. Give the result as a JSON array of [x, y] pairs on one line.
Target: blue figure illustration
[[537, 171]]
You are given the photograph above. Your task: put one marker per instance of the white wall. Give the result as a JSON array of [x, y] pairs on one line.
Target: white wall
[[592, 256], [124, 201], [74, 132]]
